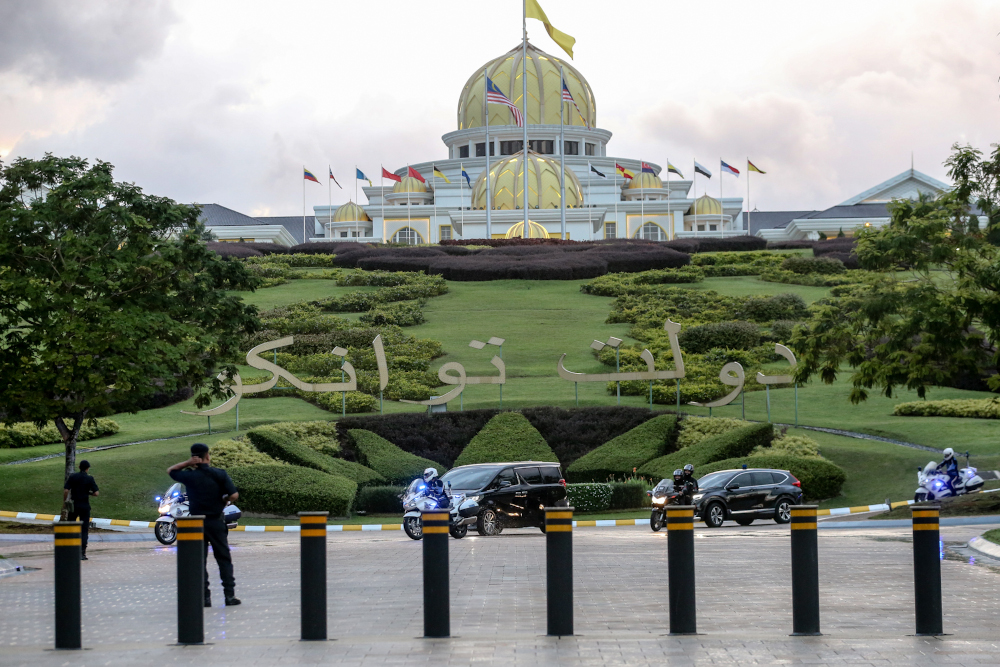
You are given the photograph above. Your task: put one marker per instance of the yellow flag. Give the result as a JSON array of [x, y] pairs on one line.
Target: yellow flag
[[533, 10]]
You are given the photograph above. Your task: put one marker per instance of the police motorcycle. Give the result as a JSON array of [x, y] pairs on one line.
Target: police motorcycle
[[419, 497], [174, 505], [934, 484], [664, 494]]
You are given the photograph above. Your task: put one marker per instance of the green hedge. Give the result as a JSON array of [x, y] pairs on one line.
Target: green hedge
[[285, 448], [815, 279], [26, 434], [388, 460], [380, 500], [589, 497], [731, 335], [619, 457], [739, 442], [976, 408], [286, 490], [507, 437], [820, 478], [319, 435], [629, 495], [821, 265]]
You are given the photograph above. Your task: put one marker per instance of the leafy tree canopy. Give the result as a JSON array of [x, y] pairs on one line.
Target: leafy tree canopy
[[107, 295], [935, 316]]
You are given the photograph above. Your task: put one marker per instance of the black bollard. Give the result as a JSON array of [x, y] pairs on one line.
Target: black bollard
[[191, 580], [437, 616], [805, 572], [927, 569], [312, 532], [67, 574], [680, 569], [559, 570]]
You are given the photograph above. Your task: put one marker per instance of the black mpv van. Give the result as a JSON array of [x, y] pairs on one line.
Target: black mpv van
[[510, 495], [745, 495]]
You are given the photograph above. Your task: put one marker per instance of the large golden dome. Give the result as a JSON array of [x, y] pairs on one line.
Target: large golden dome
[[544, 91], [350, 212], [535, 231], [507, 181], [409, 184], [705, 205], [645, 181]]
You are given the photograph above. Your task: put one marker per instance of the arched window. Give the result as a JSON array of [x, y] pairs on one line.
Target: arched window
[[407, 235], [651, 231]]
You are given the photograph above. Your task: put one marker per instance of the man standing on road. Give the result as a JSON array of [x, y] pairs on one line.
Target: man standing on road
[[79, 487], [208, 491]]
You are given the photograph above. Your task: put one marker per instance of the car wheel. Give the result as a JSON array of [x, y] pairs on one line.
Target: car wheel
[[542, 527], [715, 514], [165, 532], [920, 496], [783, 511], [656, 521], [413, 528], [488, 523], [744, 521], [458, 532]]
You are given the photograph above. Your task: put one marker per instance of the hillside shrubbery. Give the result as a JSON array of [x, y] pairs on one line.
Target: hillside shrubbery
[[388, 460], [286, 490], [506, 437], [976, 408], [285, 448], [736, 443], [26, 434], [620, 457]]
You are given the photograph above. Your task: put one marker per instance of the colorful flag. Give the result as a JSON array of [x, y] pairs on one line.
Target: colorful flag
[[729, 169], [334, 179], [752, 167], [413, 173], [465, 176], [671, 168], [625, 172], [568, 97], [533, 10], [439, 174], [698, 169], [391, 176], [308, 175], [593, 169], [495, 96], [646, 169], [362, 177]]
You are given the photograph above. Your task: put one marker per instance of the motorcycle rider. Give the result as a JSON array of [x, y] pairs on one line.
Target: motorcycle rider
[[689, 477], [435, 488], [949, 466], [684, 487]]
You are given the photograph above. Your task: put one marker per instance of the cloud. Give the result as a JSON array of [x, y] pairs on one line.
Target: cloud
[[98, 40]]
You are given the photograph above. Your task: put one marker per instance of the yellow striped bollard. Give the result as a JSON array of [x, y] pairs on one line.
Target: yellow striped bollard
[[680, 569], [312, 580], [805, 571], [191, 580], [559, 570], [437, 608], [67, 583], [927, 569]]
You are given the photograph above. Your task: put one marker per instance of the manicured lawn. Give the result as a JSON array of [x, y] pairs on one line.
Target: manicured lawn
[[306, 289], [992, 535]]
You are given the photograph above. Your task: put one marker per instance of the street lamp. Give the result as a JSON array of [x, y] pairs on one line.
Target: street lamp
[[478, 344], [612, 342], [342, 353]]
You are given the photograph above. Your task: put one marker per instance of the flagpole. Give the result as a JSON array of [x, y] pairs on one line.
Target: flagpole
[[408, 223], [618, 194], [748, 196], [694, 196], [461, 196], [489, 188], [524, 105], [670, 236], [329, 208], [642, 200], [303, 205], [562, 156], [381, 185], [721, 233], [590, 201], [434, 193], [356, 197]]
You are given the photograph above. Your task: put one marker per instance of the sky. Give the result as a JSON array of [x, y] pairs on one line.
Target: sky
[[224, 102]]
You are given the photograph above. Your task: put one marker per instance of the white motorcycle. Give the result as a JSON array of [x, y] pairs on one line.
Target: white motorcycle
[[174, 505], [462, 512], [934, 484]]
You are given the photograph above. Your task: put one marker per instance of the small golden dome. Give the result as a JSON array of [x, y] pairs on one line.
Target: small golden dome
[[507, 181], [350, 212], [645, 180], [409, 184], [705, 205], [544, 91], [535, 231]]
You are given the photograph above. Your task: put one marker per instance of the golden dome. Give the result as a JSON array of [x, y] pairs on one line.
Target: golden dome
[[350, 212], [535, 231], [705, 205], [409, 184], [507, 180], [645, 180], [544, 91]]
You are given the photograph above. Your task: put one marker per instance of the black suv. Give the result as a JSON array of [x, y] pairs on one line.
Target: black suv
[[510, 495], [745, 495]]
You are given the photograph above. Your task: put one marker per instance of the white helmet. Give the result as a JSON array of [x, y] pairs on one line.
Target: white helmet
[[949, 454], [429, 474]]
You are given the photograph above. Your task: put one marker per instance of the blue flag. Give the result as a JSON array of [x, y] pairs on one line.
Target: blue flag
[[362, 177], [466, 177]]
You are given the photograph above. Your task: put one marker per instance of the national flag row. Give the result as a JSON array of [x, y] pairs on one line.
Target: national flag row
[[698, 169], [410, 171]]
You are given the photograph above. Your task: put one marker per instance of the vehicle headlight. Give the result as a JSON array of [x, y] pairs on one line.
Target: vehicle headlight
[[698, 496], [164, 509], [474, 499], [659, 500]]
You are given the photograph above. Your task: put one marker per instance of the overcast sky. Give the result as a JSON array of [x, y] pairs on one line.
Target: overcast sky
[[223, 102]]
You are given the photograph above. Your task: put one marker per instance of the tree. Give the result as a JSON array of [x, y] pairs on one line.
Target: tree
[[934, 315], [108, 295]]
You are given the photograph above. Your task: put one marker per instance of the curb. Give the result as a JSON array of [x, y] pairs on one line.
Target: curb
[[985, 546]]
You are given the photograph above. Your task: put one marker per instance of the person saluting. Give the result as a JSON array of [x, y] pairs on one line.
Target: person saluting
[[77, 490], [209, 490]]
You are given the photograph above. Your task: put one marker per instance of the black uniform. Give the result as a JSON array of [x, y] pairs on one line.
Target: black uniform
[[80, 486], [689, 478], [205, 488]]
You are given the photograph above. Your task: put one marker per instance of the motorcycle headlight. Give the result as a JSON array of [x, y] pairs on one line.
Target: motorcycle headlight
[[164, 509], [659, 500]]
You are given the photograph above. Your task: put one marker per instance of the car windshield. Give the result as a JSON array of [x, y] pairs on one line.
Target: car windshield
[[469, 478], [713, 480]]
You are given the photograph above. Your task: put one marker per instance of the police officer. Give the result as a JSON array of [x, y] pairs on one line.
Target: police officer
[[949, 466], [79, 487], [209, 490], [689, 477]]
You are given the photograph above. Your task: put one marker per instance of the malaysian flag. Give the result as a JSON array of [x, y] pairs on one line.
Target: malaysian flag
[[568, 97], [494, 96]]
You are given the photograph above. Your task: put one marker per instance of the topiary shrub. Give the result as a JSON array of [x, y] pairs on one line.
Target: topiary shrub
[[976, 408], [738, 442], [629, 495], [507, 437], [236, 453], [285, 448], [734, 335], [388, 460], [618, 458], [26, 434], [380, 500], [319, 435], [781, 330], [589, 497], [820, 479], [798, 446], [286, 490], [823, 265], [785, 306], [695, 429]]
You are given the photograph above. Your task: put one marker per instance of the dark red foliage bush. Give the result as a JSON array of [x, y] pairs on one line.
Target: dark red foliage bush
[[850, 260], [834, 245], [790, 245], [497, 243], [233, 249]]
